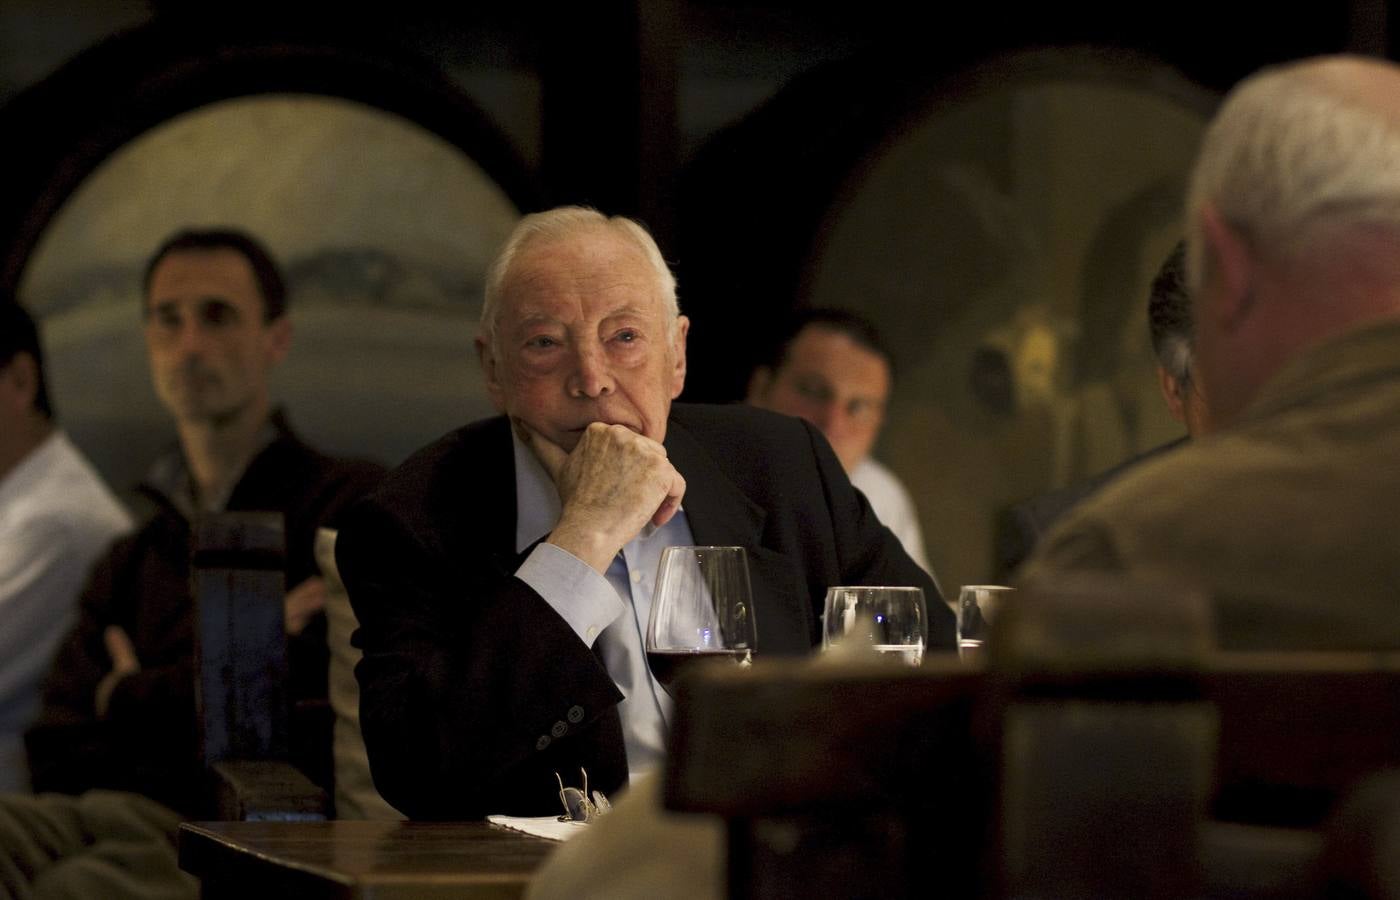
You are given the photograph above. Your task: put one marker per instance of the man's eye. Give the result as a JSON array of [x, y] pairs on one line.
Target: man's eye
[[813, 390], [627, 336], [541, 342], [861, 409], [166, 318], [218, 314]]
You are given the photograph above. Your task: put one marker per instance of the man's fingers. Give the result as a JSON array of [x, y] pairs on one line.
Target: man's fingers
[[120, 649], [124, 663], [667, 510], [550, 454], [302, 603]]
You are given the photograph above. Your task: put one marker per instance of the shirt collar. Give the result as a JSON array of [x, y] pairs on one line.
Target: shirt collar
[[1359, 356], [169, 475], [536, 499]]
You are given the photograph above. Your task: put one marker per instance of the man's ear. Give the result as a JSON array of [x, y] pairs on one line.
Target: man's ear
[[19, 379], [682, 329], [1172, 394], [759, 384], [490, 372], [279, 338], [1229, 268]]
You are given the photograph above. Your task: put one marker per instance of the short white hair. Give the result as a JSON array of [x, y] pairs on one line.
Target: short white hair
[[1291, 152], [563, 222]]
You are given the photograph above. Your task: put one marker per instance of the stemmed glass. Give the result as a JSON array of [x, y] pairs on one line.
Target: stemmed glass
[[882, 621], [702, 608], [978, 605]]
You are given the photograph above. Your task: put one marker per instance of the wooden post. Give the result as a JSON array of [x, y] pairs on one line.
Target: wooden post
[[239, 578]]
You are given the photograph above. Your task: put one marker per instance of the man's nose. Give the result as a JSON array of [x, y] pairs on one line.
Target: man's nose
[[190, 340], [592, 375], [827, 416]]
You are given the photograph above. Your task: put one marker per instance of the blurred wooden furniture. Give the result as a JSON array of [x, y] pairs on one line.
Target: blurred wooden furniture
[[238, 569], [381, 860], [1104, 750], [1299, 730], [835, 781], [1103, 739]]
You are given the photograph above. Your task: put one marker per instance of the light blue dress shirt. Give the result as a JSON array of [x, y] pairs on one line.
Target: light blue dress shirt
[[607, 612]]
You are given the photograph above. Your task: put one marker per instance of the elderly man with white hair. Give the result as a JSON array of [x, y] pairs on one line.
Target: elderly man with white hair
[[502, 576], [1285, 514]]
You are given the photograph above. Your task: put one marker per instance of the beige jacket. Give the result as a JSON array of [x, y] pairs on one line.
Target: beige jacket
[[1290, 520]]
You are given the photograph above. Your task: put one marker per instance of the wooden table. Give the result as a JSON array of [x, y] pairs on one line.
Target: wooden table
[[366, 860]]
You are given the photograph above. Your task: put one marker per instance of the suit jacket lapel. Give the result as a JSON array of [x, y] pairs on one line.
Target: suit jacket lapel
[[496, 507], [718, 512]]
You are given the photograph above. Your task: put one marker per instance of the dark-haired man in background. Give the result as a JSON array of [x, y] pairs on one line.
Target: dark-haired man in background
[[1019, 527], [831, 368], [56, 516], [119, 704]]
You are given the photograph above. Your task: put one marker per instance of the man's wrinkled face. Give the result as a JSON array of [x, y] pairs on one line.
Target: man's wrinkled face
[[582, 336], [833, 382], [210, 351]]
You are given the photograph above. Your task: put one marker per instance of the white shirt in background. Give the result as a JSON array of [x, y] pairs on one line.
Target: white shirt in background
[[56, 519], [892, 505]]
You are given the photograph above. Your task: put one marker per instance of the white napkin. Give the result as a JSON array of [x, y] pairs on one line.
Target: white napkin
[[548, 827]]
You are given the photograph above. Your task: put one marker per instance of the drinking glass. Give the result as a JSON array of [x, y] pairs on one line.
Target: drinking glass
[[702, 608], [889, 622], [977, 607]]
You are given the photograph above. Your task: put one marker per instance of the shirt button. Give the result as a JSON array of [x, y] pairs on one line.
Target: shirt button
[[592, 632], [559, 729], [576, 714], [543, 742], [636, 576]]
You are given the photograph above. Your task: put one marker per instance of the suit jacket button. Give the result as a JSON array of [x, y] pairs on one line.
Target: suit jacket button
[[559, 729], [576, 714], [542, 742]]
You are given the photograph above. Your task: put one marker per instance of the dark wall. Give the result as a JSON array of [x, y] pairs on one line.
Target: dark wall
[[728, 127]]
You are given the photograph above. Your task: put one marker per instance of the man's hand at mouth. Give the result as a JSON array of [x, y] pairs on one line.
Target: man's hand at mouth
[[610, 486]]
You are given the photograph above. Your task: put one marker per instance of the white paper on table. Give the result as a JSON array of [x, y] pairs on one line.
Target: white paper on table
[[548, 827]]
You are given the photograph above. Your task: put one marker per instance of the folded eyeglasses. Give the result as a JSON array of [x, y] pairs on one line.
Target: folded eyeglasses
[[579, 805]]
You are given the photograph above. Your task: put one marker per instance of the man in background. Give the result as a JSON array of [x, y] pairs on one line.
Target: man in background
[[119, 704], [1019, 527], [831, 368], [56, 516], [1285, 512]]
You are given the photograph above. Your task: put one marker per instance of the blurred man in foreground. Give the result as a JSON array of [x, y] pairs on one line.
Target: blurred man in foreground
[[830, 368], [502, 576], [1285, 512]]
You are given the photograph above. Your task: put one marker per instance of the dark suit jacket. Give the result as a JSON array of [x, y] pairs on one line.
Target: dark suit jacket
[[474, 692]]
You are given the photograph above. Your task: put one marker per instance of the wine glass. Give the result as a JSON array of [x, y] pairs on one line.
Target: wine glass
[[884, 621], [977, 607], [702, 609]]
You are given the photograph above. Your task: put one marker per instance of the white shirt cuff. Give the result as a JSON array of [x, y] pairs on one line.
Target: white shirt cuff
[[578, 593]]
